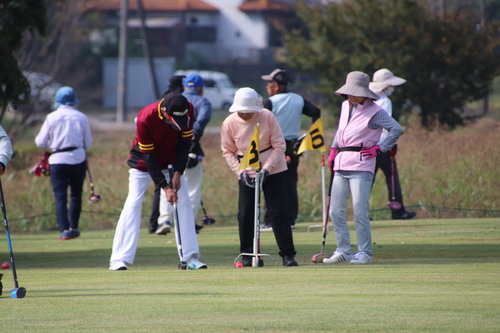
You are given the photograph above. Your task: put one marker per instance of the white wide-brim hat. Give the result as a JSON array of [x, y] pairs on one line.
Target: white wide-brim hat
[[246, 100], [384, 78], [356, 84]]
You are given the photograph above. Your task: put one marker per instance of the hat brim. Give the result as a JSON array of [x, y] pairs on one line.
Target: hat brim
[[393, 81], [357, 91], [244, 108], [267, 78], [178, 123]]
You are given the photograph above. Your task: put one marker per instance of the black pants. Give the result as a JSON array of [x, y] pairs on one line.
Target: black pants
[[273, 189], [384, 163], [290, 194], [63, 176]]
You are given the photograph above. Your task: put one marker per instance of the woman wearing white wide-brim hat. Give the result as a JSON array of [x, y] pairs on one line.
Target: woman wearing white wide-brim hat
[[383, 84], [236, 134], [351, 158]]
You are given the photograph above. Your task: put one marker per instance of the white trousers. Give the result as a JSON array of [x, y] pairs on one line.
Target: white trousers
[[194, 177], [127, 230]]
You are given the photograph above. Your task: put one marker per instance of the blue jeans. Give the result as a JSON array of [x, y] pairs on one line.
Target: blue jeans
[[62, 176], [360, 190]]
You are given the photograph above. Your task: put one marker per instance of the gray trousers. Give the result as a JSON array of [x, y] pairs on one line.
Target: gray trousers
[[360, 190]]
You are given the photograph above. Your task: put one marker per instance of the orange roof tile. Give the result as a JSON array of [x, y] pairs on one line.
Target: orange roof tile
[[265, 5], [152, 5]]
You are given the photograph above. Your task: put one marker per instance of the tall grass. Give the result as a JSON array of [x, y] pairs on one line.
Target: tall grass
[[443, 174]]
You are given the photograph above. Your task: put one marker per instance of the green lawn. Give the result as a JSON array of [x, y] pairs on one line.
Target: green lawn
[[427, 276]]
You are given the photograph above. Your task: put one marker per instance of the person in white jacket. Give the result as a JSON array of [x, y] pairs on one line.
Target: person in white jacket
[[383, 84], [66, 132], [5, 150]]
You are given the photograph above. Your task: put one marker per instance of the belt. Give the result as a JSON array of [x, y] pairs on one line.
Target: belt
[[350, 149]]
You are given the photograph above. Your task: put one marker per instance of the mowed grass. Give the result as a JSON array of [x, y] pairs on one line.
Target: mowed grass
[[427, 276]]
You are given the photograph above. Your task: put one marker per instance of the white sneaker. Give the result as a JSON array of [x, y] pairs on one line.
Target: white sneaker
[[196, 264], [164, 228], [337, 257], [361, 258], [117, 265]]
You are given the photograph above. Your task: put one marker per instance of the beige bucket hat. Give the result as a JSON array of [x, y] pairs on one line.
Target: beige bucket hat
[[384, 78], [246, 100], [356, 84]]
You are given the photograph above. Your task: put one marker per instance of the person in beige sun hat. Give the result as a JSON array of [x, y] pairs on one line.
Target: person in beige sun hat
[[356, 143], [383, 84]]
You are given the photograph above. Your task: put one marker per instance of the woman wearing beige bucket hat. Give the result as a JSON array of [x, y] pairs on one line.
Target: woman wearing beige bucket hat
[[236, 133], [383, 84], [351, 159]]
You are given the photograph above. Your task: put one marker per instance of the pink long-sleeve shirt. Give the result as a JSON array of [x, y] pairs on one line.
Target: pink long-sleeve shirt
[[236, 134]]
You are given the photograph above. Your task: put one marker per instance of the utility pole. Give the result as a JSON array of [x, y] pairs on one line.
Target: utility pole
[[121, 109], [146, 50]]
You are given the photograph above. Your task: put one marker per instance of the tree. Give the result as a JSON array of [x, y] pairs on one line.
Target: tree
[[16, 18], [62, 56], [448, 60]]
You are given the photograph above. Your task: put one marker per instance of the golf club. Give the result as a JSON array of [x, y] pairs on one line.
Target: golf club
[[206, 219], [182, 264], [93, 198], [17, 292], [318, 258], [393, 204]]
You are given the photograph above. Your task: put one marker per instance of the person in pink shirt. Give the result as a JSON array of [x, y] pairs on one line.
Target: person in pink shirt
[[236, 133], [352, 160]]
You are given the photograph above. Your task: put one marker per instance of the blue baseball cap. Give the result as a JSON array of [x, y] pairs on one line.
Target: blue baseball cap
[[65, 96], [193, 80]]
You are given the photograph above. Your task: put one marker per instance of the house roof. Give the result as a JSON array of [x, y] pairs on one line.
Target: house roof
[[265, 5], [153, 5]]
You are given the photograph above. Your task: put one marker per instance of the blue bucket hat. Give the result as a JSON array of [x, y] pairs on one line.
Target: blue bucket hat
[[65, 96], [193, 81]]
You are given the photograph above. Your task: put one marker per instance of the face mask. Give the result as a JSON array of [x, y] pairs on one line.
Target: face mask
[[389, 90]]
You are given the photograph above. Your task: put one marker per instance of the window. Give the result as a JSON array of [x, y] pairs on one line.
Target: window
[[201, 34]]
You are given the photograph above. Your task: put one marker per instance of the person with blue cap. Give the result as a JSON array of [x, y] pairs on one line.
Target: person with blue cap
[[193, 91], [66, 132]]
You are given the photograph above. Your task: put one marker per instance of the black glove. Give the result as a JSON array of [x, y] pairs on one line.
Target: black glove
[[263, 176], [192, 161], [196, 148], [247, 180]]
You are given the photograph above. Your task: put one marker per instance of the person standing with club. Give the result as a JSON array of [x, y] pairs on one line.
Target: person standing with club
[[193, 91], [236, 134], [175, 85], [383, 85], [66, 132], [352, 153], [163, 137], [288, 107]]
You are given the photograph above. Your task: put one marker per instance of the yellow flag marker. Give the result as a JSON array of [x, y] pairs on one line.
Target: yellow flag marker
[[314, 139], [251, 157]]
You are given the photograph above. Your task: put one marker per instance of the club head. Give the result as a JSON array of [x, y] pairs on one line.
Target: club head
[[207, 220], [394, 205], [18, 293], [182, 265], [318, 258], [94, 198]]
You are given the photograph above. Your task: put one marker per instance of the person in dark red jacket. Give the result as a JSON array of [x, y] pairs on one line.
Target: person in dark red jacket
[[163, 137]]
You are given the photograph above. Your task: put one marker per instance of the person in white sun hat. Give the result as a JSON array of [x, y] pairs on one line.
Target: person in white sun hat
[[351, 158], [236, 133], [383, 84]]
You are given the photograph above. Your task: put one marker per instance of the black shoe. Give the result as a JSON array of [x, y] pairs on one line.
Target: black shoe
[[405, 216], [198, 228], [247, 262], [289, 261], [152, 228]]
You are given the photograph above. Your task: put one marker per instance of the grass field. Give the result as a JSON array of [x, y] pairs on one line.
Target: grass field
[[429, 275]]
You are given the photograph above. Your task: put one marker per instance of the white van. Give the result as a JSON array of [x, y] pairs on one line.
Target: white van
[[219, 89]]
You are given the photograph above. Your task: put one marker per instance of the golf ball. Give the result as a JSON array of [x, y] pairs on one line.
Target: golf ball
[[5, 265], [238, 264]]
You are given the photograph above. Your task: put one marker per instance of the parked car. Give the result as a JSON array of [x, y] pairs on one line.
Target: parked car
[[218, 87]]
